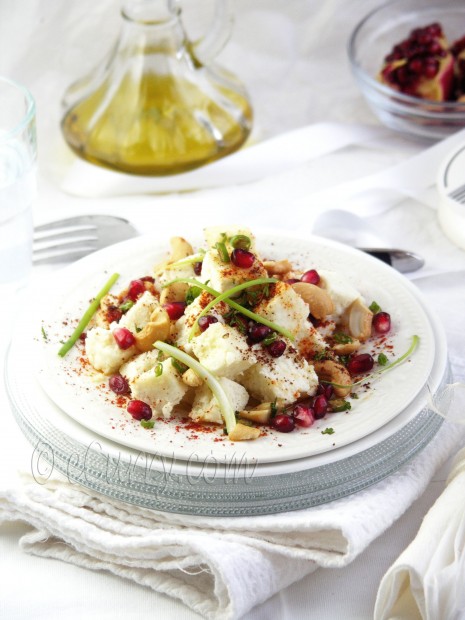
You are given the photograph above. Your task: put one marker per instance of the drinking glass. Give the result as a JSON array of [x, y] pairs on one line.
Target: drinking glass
[[18, 154]]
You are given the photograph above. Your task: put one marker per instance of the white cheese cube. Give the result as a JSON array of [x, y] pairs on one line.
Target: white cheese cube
[[140, 364], [103, 352], [287, 309], [223, 276], [288, 377], [182, 328], [162, 392], [223, 350], [205, 407], [138, 315], [341, 292], [214, 234]]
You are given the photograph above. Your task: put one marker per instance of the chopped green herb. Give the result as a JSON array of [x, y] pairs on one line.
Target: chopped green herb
[[235, 319], [270, 339], [126, 306], [354, 395], [44, 334], [138, 329], [274, 408], [193, 258], [382, 359], [147, 423], [328, 431], [192, 293], [160, 356], [342, 405], [344, 359], [320, 355], [87, 316], [374, 307], [342, 338], [240, 242], [222, 251], [179, 366], [159, 369]]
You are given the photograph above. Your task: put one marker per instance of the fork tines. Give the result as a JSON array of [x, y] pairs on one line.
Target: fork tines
[[458, 194], [55, 244]]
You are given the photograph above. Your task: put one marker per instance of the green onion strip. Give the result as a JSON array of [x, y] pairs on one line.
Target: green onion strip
[[402, 358], [87, 316], [189, 260], [215, 386], [225, 297]]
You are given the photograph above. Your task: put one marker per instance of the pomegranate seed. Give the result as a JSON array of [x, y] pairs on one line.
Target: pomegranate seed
[[257, 332], [283, 423], [277, 348], [148, 279], [175, 309], [242, 258], [206, 321], [198, 268], [303, 416], [382, 322], [83, 336], [311, 277], [320, 406], [360, 363], [139, 410], [118, 384], [326, 390], [124, 338], [136, 288]]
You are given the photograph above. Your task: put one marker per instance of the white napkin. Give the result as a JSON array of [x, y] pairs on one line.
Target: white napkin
[[220, 567], [427, 581]]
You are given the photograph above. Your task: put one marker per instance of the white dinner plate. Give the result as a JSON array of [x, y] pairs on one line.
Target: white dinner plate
[[84, 395]]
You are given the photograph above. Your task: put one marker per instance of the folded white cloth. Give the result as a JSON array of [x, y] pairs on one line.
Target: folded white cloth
[[427, 580], [220, 567]]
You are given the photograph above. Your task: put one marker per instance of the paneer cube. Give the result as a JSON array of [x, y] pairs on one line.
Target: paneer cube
[[341, 292], [182, 328], [161, 391], [138, 316], [288, 377], [205, 407], [213, 234], [222, 276], [140, 364], [223, 350], [287, 309], [103, 352]]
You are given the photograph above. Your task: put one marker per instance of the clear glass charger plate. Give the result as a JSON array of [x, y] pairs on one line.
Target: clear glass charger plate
[[236, 486]]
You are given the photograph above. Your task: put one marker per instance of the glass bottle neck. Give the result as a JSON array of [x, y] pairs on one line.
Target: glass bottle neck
[[161, 13]]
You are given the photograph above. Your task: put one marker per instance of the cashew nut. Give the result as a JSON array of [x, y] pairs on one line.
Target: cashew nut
[[174, 292], [346, 348], [277, 267], [191, 379], [180, 248], [357, 318], [317, 298], [242, 432], [260, 414], [333, 372], [158, 328]]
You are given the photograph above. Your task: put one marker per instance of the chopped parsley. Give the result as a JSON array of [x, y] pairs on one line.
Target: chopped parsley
[[179, 366], [147, 423], [382, 359], [342, 405], [320, 355], [270, 339], [374, 307], [192, 293], [44, 334], [274, 408], [126, 306], [159, 369], [328, 431], [342, 338]]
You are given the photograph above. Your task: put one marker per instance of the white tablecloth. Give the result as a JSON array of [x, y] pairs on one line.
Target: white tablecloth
[[293, 60]]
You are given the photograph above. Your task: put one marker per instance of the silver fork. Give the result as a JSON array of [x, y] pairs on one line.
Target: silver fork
[[458, 194], [74, 237]]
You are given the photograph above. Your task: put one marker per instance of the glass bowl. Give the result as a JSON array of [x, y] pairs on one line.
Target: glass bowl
[[373, 39]]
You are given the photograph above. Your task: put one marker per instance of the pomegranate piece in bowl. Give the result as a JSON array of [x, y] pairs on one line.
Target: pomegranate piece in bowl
[[421, 65]]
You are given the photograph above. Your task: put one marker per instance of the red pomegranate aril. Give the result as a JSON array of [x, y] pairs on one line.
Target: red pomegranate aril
[[148, 279], [277, 348], [283, 423], [257, 332], [360, 363], [198, 268], [124, 338], [325, 389], [136, 288], [303, 416], [320, 406], [175, 309], [83, 336], [118, 384], [206, 321], [382, 322], [311, 277], [242, 258], [139, 410]]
